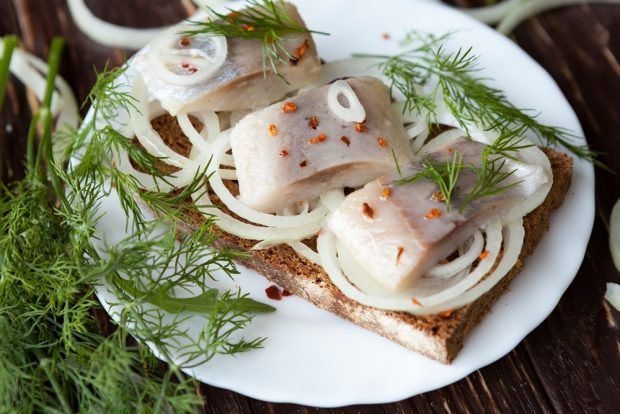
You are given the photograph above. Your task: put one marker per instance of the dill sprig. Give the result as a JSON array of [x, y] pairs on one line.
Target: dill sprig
[[53, 357], [444, 174], [491, 175], [265, 20], [427, 74]]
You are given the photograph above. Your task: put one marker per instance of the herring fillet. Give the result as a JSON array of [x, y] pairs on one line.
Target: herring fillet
[[409, 231], [284, 157], [240, 82]]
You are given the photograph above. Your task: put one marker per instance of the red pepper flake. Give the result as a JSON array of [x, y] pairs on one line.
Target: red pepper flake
[[401, 249], [386, 36], [184, 41], [368, 211], [416, 302], [446, 314], [386, 193], [248, 27], [313, 122], [319, 138], [283, 153], [286, 293], [191, 69], [301, 50], [381, 142], [444, 261], [303, 164], [289, 107], [273, 292], [232, 15], [346, 140], [361, 127], [438, 197], [272, 129], [434, 213], [483, 255]]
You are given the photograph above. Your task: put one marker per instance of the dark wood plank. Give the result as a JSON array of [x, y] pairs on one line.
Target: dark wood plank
[[15, 115], [570, 363], [575, 352]]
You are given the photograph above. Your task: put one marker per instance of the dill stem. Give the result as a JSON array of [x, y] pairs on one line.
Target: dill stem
[[46, 136], [62, 397], [10, 43], [31, 162]]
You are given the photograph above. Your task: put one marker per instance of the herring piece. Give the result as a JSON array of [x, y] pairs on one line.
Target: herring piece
[[399, 231], [298, 149], [239, 83]]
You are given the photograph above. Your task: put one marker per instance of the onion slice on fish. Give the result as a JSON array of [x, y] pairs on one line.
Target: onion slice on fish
[[140, 120], [181, 60], [354, 111], [479, 280]]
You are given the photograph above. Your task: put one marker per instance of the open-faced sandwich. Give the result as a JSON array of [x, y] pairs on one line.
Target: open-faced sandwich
[[397, 192]]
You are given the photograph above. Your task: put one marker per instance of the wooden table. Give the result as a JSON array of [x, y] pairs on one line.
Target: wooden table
[[571, 362]]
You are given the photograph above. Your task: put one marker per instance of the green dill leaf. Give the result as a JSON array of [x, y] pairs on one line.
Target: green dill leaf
[[453, 76]]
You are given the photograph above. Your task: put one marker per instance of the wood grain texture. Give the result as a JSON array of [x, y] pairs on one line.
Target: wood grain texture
[[571, 363]]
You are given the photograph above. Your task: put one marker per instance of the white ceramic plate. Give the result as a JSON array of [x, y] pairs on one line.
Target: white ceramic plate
[[312, 357]]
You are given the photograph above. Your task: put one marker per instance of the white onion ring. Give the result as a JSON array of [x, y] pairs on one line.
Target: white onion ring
[[461, 262], [222, 145], [447, 299], [109, 34], [614, 234], [332, 199], [168, 61], [32, 72], [612, 295], [355, 112], [139, 115], [250, 231], [211, 128], [306, 252]]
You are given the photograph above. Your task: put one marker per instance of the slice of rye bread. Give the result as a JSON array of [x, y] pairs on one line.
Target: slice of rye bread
[[441, 336]]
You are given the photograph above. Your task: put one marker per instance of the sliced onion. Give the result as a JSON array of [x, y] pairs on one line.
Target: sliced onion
[[524, 9], [306, 252], [140, 121], [494, 13], [346, 68], [463, 292], [220, 147], [175, 64], [614, 234], [354, 112], [250, 231], [332, 199], [32, 72], [164, 184], [211, 128], [461, 262], [109, 34], [612, 295], [442, 139]]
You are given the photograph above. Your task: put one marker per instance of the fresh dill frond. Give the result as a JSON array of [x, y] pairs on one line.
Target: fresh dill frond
[[444, 174], [428, 75], [54, 356], [265, 20]]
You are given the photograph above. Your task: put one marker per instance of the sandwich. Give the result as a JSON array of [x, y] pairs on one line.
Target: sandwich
[[406, 223]]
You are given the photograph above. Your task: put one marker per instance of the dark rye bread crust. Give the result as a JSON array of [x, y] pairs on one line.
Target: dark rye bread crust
[[440, 337]]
